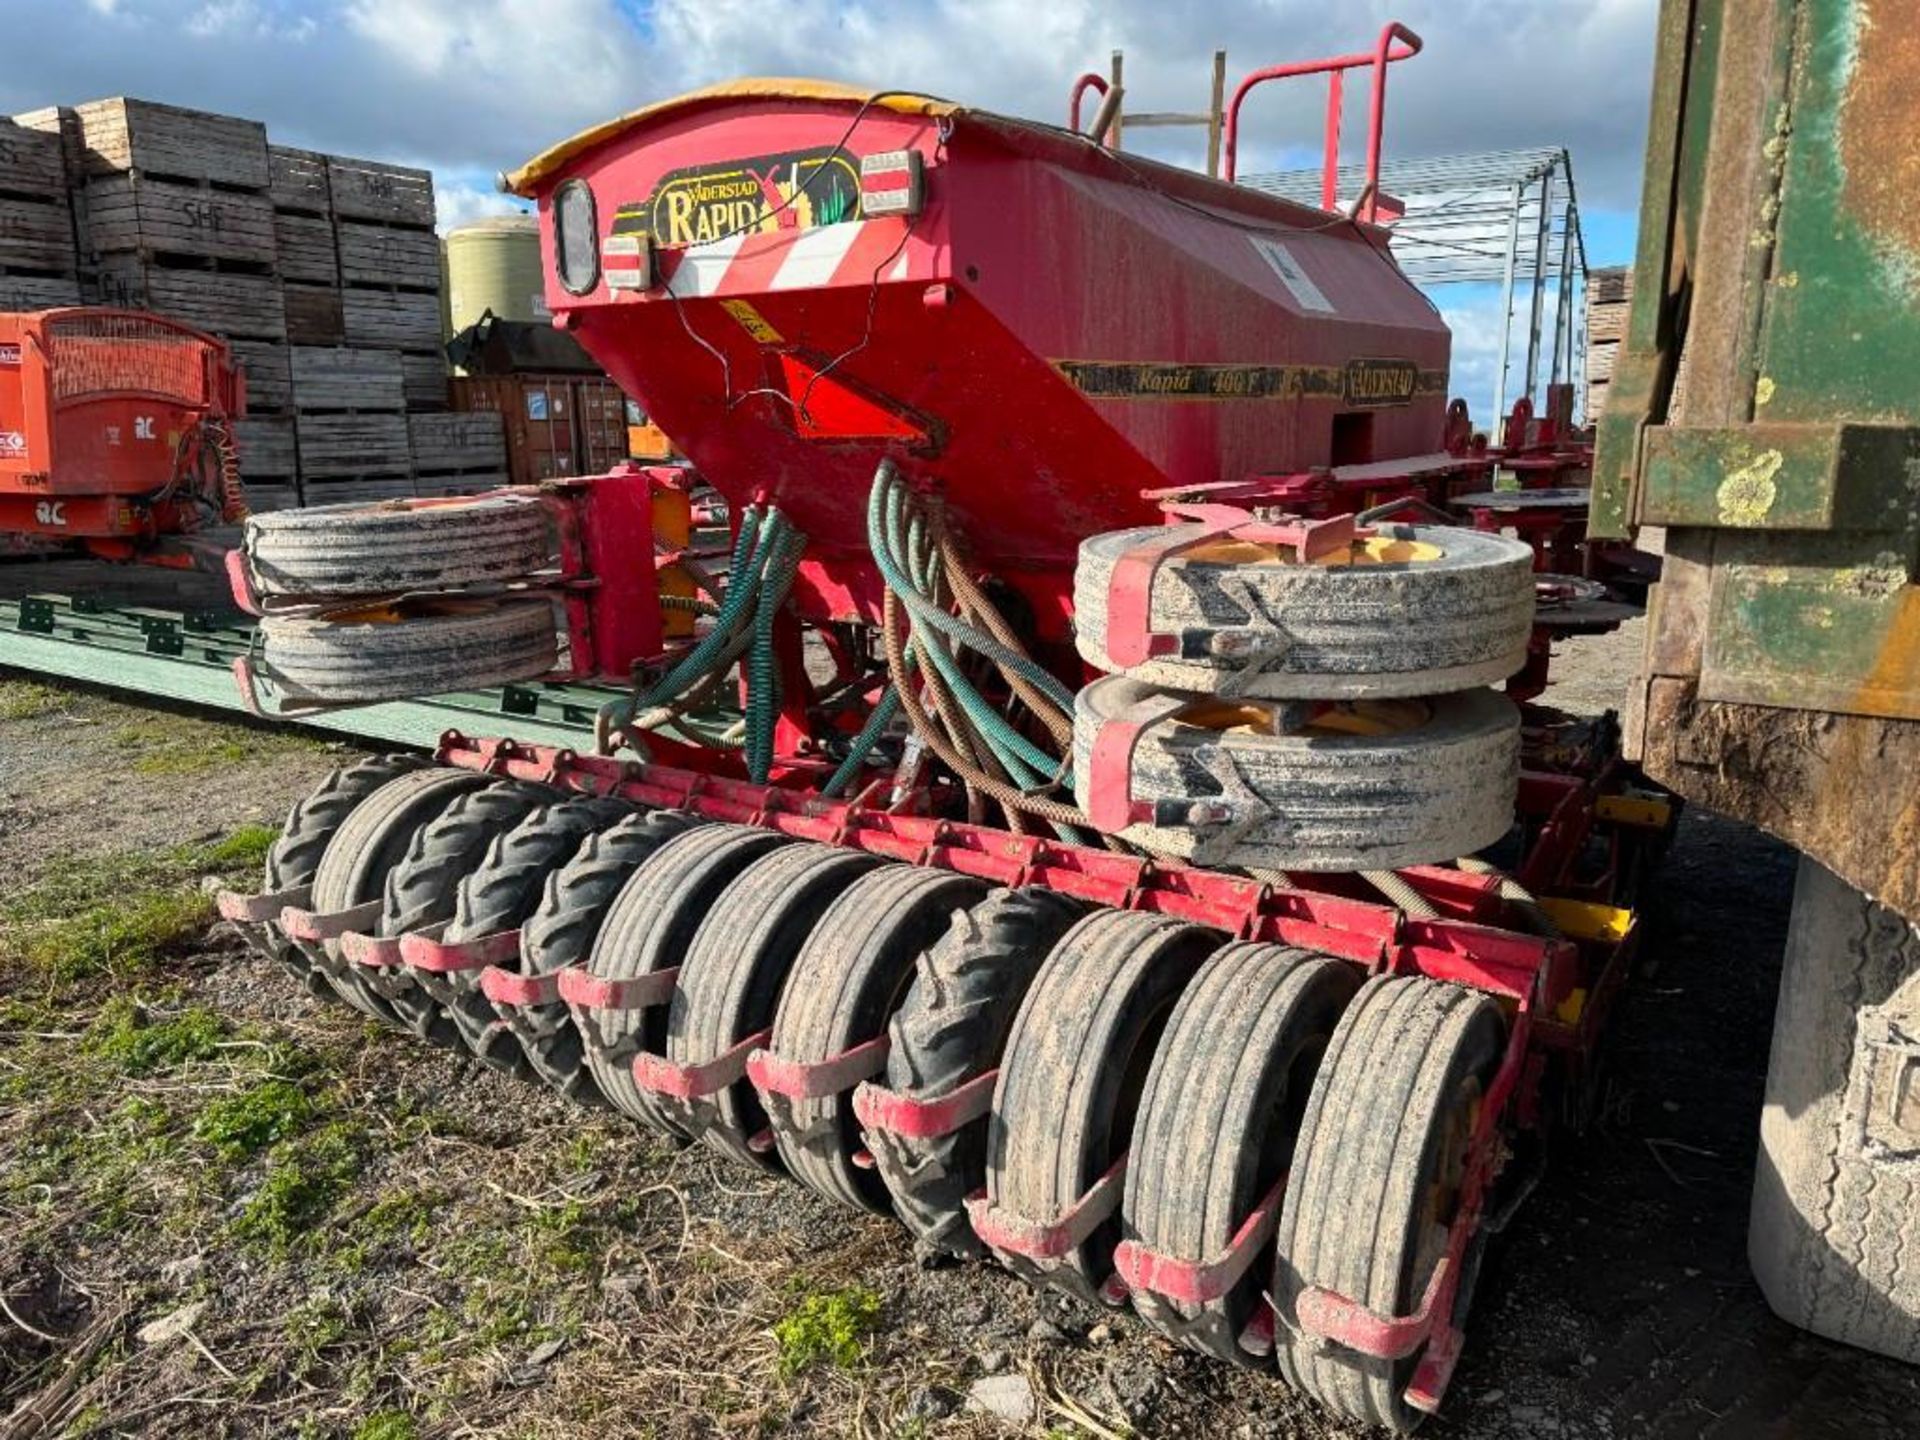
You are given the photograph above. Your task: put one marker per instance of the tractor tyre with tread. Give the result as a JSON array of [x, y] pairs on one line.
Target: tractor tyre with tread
[[386, 549], [364, 661], [967, 989]]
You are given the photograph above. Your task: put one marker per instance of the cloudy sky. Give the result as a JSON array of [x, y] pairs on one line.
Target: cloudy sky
[[470, 87]]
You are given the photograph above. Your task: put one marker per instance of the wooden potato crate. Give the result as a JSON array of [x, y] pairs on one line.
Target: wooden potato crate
[[306, 248], [246, 307], [136, 214], [371, 190], [313, 314], [426, 378], [342, 378], [392, 320], [455, 443], [266, 448], [356, 492], [353, 445], [297, 181], [124, 134], [32, 165], [36, 237], [38, 292], [269, 380], [389, 256]]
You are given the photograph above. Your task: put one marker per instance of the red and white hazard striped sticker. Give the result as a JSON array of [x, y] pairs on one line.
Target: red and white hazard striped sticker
[[857, 252]]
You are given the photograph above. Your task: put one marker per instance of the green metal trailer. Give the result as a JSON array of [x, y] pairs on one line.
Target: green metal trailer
[[1765, 413]]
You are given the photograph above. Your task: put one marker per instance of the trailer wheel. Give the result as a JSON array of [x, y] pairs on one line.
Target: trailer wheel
[[295, 856], [463, 645], [423, 889], [1076, 1064], [845, 985], [371, 841], [1834, 1236], [966, 991], [1422, 610], [383, 549], [731, 978], [1220, 1118], [1376, 1175], [650, 927], [1366, 785], [499, 894]]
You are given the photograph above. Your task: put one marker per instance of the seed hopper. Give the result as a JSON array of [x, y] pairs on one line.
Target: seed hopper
[[1101, 817]]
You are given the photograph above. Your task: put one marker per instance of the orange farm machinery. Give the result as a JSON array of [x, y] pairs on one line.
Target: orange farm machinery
[[115, 431], [1100, 816]]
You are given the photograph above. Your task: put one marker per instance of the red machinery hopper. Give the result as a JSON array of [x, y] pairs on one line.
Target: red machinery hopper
[[797, 278], [113, 428]]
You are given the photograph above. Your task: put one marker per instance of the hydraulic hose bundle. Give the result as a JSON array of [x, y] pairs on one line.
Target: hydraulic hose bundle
[[927, 578], [766, 556]]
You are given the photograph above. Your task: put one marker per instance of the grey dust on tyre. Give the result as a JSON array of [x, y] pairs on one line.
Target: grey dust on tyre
[[1339, 785], [1413, 610], [395, 548], [425, 648]]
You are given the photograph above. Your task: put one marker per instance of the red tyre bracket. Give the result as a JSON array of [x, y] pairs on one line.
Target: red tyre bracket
[[1042, 1243], [781, 1082], [897, 1113], [262, 909], [303, 924], [1131, 639], [1200, 1282], [1218, 820], [695, 1082], [588, 997]]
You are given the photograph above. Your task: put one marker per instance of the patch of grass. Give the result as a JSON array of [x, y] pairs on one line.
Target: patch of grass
[[189, 747], [129, 1037], [305, 1176], [245, 849], [387, 1425], [28, 700], [830, 1326], [237, 1126]]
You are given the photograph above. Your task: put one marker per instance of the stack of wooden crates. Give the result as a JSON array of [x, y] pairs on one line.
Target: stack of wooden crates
[[322, 272], [1609, 296]]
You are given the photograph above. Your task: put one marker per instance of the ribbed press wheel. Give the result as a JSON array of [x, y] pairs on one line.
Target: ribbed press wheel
[[1376, 1179], [1219, 1120], [373, 839], [849, 978], [1076, 1063], [649, 927], [731, 978], [383, 549], [967, 988], [295, 856]]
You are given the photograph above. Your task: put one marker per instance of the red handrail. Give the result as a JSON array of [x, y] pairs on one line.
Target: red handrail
[[1396, 42], [1086, 82]]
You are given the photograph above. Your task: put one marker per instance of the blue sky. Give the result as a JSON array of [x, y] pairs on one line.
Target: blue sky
[[470, 87]]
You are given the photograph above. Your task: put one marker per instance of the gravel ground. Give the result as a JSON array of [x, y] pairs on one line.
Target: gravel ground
[[411, 1246]]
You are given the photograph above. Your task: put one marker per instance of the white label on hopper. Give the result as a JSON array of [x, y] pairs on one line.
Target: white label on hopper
[[1299, 284]]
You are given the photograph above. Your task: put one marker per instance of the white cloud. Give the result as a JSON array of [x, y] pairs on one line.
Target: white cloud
[[458, 203]]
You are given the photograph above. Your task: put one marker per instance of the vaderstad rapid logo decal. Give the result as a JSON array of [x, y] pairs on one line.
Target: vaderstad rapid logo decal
[[1368, 383], [794, 190]]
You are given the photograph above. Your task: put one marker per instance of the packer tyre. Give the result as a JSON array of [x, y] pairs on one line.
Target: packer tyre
[[966, 991], [366, 847], [1437, 782], [1220, 1118], [731, 979], [1076, 1064], [381, 549], [500, 893], [363, 661], [295, 856], [1376, 1175], [1454, 615], [1834, 1235], [844, 987], [650, 927], [423, 889]]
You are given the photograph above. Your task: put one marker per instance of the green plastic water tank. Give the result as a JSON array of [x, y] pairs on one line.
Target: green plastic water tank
[[494, 264]]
